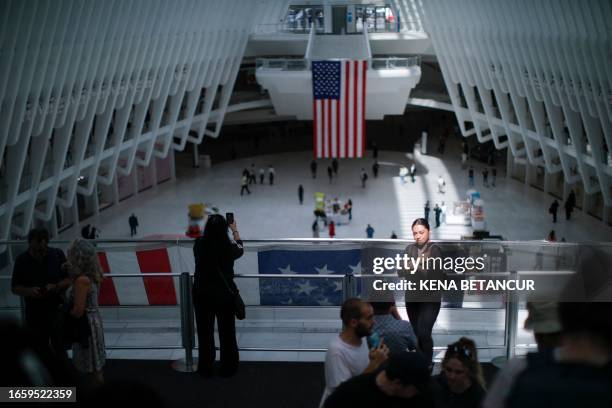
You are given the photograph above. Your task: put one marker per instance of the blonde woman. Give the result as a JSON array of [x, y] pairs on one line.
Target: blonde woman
[[86, 274], [461, 381]]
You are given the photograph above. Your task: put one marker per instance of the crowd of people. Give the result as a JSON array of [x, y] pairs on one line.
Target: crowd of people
[[249, 177], [377, 358]]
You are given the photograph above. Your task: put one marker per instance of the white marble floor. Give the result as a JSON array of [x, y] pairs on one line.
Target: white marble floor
[[512, 210]]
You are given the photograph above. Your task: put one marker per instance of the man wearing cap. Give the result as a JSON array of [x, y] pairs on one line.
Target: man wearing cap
[[403, 382], [543, 319]]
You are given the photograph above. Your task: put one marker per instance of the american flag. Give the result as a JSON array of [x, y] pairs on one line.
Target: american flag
[[304, 291], [339, 108]]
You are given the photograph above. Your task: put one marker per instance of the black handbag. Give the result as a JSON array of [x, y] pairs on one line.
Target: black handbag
[[239, 306]]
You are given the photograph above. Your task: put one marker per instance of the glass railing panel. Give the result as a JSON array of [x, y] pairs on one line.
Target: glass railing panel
[[296, 286]]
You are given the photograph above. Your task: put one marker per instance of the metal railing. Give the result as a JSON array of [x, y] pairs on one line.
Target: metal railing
[[282, 64], [396, 63], [555, 257], [288, 64]]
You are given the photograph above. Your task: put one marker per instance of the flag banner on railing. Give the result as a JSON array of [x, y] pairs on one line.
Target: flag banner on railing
[[145, 291], [339, 92], [305, 292]]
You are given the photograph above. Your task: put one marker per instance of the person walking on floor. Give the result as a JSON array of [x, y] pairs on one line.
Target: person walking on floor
[[471, 176], [427, 209], [133, 224], [554, 207], [335, 166], [413, 172], [331, 227], [271, 174], [301, 194], [214, 295], [313, 168], [441, 185], [493, 176], [349, 208], [485, 177], [364, 177], [252, 176], [437, 212], [315, 229], [375, 167], [370, 231], [330, 173], [244, 185], [262, 175]]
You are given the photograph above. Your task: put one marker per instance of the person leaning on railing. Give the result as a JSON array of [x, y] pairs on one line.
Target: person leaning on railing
[[215, 254]]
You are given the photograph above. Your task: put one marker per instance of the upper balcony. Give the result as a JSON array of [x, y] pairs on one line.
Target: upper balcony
[[391, 31]]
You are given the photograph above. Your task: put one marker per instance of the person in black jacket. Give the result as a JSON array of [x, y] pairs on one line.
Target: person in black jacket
[[215, 254], [423, 306]]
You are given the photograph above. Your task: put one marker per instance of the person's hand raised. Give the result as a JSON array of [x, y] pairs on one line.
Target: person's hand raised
[[378, 355]]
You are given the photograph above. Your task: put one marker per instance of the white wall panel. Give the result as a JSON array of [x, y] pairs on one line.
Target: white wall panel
[[95, 88], [535, 72]]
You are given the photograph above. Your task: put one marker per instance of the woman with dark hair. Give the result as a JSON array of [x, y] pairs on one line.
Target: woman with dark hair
[[214, 254], [461, 381], [423, 306]]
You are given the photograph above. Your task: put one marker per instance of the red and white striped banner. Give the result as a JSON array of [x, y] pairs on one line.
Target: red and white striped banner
[[152, 290], [339, 91]]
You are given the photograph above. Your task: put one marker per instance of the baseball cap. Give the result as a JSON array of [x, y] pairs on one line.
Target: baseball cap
[[543, 317]]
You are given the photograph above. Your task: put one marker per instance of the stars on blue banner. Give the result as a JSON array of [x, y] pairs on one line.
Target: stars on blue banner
[[326, 76], [305, 292]]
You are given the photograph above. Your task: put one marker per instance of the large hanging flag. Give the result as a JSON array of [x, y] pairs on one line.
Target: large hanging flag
[[338, 89]]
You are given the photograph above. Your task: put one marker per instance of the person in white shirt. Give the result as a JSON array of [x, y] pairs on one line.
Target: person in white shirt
[[348, 354]]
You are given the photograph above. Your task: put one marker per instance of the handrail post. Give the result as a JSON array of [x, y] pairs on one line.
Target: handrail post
[[511, 320], [348, 286], [188, 364]]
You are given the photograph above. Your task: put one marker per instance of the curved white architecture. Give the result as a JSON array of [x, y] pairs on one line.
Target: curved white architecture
[[536, 77], [94, 92]]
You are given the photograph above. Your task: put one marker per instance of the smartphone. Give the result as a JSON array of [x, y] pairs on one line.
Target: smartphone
[[373, 340], [230, 218]]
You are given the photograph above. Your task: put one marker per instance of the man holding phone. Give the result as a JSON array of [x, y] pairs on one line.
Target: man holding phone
[[348, 354], [39, 276]]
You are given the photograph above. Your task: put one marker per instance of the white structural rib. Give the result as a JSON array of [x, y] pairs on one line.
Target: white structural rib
[[91, 89], [534, 76]]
